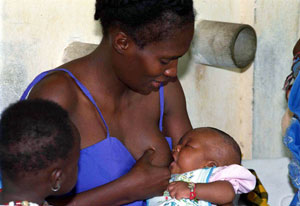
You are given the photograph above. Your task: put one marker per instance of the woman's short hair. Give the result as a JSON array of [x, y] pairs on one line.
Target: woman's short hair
[[145, 21], [33, 134]]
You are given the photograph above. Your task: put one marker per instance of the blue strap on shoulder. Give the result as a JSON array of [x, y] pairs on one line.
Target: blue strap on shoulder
[[161, 102], [80, 85]]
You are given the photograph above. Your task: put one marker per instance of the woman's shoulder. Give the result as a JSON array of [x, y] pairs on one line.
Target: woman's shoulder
[[174, 86], [173, 93], [57, 86]]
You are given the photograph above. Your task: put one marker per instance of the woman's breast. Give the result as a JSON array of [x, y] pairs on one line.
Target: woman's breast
[[101, 163], [104, 162]]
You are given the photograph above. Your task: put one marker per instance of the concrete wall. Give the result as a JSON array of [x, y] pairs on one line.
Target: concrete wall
[[34, 35], [217, 97], [246, 104], [277, 26]]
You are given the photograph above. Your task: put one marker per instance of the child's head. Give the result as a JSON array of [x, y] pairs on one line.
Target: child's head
[[204, 147], [39, 149]]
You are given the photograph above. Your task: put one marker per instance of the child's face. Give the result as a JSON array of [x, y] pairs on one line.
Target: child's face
[[71, 165], [195, 150]]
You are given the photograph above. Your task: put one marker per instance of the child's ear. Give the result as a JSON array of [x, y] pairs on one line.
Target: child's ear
[[212, 163], [56, 179]]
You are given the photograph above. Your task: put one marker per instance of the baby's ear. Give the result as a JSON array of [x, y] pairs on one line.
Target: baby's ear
[[212, 163]]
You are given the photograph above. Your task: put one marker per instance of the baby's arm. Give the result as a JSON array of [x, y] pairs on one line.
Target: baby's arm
[[223, 184], [218, 192]]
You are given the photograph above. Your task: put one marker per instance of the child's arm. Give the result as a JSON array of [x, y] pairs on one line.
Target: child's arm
[[218, 192]]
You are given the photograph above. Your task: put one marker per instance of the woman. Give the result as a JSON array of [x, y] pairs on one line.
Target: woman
[[125, 98]]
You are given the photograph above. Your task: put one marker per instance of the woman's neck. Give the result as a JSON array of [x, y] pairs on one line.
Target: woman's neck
[[103, 73]]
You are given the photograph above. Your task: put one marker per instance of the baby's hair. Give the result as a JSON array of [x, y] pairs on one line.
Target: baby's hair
[[33, 134], [145, 21], [230, 141]]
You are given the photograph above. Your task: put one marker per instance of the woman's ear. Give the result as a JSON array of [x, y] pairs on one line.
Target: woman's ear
[[56, 177], [121, 42], [211, 163]]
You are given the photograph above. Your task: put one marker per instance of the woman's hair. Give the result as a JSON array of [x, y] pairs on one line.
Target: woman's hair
[[33, 134], [145, 21]]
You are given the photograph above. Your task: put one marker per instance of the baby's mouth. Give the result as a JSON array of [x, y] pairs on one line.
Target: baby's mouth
[[174, 168], [172, 165]]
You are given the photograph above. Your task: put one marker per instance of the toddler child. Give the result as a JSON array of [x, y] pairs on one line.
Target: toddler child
[[206, 169], [39, 150]]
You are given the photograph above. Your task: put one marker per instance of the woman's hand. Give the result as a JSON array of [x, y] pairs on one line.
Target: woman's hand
[[148, 180], [179, 190]]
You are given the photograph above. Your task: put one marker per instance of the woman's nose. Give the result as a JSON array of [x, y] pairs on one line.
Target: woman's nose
[[171, 71]]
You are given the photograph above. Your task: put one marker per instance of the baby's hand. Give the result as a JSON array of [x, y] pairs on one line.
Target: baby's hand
[[179, 190]]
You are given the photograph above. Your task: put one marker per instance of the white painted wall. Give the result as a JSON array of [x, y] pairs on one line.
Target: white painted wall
[[218, 97], [277, 26], [34, 33]]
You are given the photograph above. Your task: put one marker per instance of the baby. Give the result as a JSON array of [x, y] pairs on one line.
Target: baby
[[206, 169], [39, 151]]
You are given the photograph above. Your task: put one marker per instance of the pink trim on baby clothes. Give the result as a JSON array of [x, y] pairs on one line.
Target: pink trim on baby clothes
[[242, 180]]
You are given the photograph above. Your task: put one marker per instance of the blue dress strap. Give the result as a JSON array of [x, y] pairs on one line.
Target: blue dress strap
[[161, 103], [80, 85]]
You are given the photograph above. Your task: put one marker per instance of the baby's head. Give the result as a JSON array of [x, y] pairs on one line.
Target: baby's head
[[39, 148], [204, 147]]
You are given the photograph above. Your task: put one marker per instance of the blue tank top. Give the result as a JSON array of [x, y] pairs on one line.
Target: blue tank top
[[108, 159]]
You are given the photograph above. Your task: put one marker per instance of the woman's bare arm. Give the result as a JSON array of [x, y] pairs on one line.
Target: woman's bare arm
[[176, 120]]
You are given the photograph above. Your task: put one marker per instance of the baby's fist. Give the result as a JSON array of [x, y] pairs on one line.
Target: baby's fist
[[179, 190]]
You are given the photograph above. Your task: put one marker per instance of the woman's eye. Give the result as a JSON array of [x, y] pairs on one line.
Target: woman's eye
[[165, 61]]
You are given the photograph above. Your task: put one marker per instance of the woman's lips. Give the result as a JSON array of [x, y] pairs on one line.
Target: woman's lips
[[156, 84]]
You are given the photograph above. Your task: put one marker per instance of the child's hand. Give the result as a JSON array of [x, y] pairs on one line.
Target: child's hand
[[179, 190]]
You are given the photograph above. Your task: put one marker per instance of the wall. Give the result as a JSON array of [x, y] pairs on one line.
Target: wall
[[277, 26], [34, 35], [218, 97], [245, 104]]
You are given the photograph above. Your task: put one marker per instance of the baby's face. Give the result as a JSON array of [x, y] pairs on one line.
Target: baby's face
[[196, 150]]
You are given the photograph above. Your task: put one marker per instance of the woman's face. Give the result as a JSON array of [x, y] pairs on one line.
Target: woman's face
[[144, 70]]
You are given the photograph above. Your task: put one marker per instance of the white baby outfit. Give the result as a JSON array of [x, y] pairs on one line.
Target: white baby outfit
[[242, 180]]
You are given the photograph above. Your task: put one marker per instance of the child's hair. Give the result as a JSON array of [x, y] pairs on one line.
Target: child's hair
[[145, 21], [230, 141], [33, 134]]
